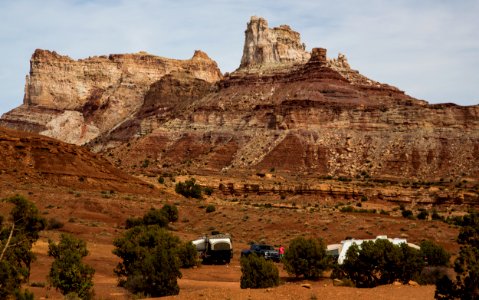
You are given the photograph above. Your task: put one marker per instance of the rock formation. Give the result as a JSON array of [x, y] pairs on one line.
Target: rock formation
[[271, 47], [32, 158], [298, 113], [75, 101]]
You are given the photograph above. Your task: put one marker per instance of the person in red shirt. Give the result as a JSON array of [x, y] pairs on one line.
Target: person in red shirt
[[281, 252]]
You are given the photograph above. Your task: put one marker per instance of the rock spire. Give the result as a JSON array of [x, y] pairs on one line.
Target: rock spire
[[265, 46]]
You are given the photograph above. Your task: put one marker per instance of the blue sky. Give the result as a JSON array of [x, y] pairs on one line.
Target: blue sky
[[428, 48]]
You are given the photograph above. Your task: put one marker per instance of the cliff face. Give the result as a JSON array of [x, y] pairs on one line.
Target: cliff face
[[298, 113], [313, 121], [270, 47], [76, 101], [314, 117]]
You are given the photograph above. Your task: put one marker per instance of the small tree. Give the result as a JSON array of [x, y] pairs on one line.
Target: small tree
[[407, 214], [381, 262], [150, 264], [466, 285], [188, 255], [210, 208], [189, 189], [434, 254], [161, 217], [68, 273], [17, 236], [171, 211], [256, 272], [306, 257], [423, 215]]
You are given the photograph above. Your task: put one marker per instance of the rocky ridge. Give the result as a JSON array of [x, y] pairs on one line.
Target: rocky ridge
[[77, 100], [284, 109], [32, 158]]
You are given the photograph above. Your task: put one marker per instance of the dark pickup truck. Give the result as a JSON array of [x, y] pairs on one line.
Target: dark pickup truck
[[266, 251]]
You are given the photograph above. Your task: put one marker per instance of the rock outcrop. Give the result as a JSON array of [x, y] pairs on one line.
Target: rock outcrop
[[299, 113], [271, 47], [32, 158], [77, 100]]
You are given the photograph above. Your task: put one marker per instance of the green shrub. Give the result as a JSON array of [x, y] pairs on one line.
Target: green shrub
[[430, 275], [161, 217], [210, 208], [132, 222], [68, 273], [306, 257], [433, 254], [189, 189], [466, 265], [149, 261], [161, 180], [171, 211], [347, 208], [24, 295], [407, 214], [188, 255], [258, 273], [381, 262], [53, 223], [208, 191], [435, 215], [422, 215], [156, 217], [17, 235]]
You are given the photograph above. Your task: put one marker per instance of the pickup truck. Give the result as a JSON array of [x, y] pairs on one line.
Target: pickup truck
[[266, 251]]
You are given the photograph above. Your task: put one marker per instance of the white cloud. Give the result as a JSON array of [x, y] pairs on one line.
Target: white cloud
[[428, 48]]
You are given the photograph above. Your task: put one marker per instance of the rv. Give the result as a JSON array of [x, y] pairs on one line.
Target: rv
[[216, 248]]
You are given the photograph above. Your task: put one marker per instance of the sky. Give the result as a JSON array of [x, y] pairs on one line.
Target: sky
[[428, 48]]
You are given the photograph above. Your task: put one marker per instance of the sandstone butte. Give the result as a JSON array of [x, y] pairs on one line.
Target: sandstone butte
[[284, 108]]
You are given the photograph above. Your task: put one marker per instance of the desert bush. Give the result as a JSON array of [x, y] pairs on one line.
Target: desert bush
[[161, 217], [18, 232], [435, 215], [407, 214], [306, 257], [24, 295], [188, 255], [171, 211], [347, 208], [68, 273], [466, 265], [433, 254], [208, 190], [381, 262], [189, 189], [132, 222], [150, 265], [422, 215], [430, 275], [53, 223], [161, 180], [210, 208], [257, 273]]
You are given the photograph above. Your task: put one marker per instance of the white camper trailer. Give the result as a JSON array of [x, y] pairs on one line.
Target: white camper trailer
[[215, 248]]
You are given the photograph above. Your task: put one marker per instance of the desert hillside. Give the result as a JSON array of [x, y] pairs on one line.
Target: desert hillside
[[292, 143]]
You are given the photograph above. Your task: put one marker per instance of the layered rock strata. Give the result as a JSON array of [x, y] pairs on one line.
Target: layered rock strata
[[32, 158], [299, 113], [271, 47], [77, 100]]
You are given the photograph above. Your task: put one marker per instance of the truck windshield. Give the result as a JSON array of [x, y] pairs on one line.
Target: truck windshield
[[266, 247]]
